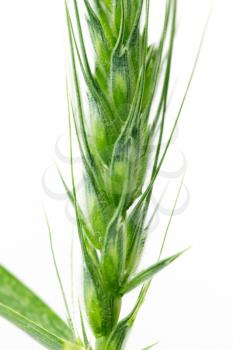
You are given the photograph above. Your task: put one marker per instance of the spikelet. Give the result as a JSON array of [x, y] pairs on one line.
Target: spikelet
[[118, 135], [115, 138]]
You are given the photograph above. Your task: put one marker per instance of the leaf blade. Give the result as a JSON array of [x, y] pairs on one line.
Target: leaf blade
[[41, 335], [21, 300], [148, 273]]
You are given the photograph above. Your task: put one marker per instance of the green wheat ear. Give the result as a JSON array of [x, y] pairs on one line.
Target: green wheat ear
[[115, 138]]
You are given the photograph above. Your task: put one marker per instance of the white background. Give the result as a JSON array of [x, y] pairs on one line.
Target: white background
[[190, 305]]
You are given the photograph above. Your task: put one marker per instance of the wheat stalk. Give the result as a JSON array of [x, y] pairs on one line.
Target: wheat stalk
[[115, 141], [115, 137]]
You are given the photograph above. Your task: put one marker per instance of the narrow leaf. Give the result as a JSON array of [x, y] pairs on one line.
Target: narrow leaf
[[19, 305], [148, 273], [41, 335], [15, 295]]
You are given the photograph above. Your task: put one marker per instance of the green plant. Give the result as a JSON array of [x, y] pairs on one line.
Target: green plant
[[115, 140]]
